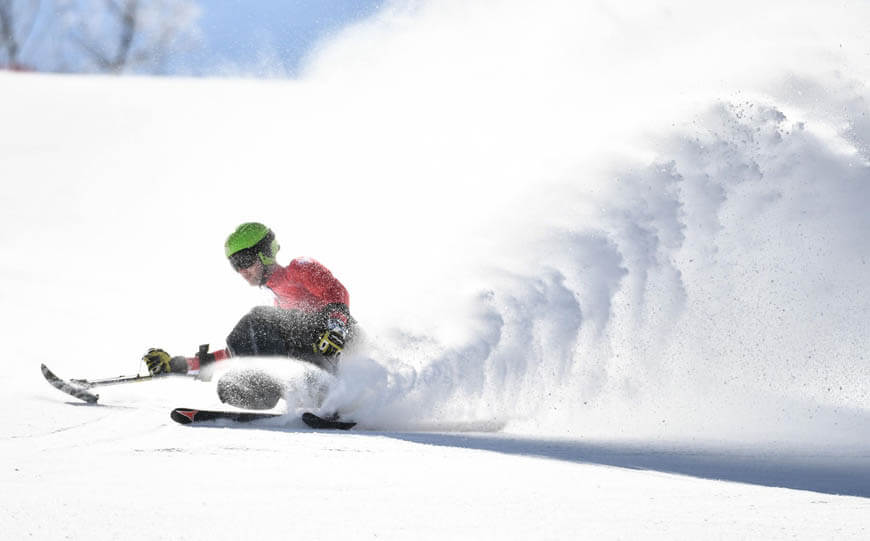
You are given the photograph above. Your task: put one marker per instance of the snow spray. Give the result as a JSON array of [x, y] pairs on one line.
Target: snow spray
[[690, 261]]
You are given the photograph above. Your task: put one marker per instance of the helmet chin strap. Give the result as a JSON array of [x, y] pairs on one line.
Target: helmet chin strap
[[264, 277]]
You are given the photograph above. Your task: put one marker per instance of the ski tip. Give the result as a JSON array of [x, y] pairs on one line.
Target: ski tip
[[48, 374], [183, 415], [70, 389]]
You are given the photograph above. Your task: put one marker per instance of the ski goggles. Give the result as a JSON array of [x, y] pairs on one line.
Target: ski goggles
[[243, 259]]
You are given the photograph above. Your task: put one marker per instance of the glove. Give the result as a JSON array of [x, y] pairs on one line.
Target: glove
[[331, 341], [159, 362]]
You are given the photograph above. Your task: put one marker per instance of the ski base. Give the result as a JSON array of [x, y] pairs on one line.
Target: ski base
[[77, 391], [188, 416]]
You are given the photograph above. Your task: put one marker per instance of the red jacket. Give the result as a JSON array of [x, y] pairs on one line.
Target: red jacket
[[306, 285]]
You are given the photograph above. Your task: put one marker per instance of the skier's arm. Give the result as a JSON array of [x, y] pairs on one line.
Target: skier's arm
[[159, 362], [335, 316], [203, 358]]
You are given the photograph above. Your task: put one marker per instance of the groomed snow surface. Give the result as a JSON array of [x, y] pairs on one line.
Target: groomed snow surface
[[612, 276], [124, 470]]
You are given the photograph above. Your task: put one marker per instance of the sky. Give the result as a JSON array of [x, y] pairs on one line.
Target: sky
[[224, 38], [267, 38]]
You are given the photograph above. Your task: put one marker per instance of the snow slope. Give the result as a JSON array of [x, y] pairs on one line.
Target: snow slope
[[634, 238]]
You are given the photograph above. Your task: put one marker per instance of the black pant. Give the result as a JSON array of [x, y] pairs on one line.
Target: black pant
[[270, 331]]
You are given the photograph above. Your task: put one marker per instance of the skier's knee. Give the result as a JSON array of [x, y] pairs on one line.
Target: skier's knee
[[250, 389]]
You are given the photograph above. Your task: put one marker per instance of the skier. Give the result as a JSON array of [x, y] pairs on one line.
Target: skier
[[310, 321]]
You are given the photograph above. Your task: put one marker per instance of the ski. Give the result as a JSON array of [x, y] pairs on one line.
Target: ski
[[188, 416], [79, 387], [76, 389], [315, 421]]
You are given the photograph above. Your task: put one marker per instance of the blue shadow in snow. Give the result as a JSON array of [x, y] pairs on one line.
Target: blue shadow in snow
[[824, 471]]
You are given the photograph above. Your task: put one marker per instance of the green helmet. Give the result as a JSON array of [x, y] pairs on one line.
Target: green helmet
[[251, 239]]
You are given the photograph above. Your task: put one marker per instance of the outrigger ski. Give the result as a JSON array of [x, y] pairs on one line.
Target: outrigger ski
[[188, 416], [79, 387], [77, 390]]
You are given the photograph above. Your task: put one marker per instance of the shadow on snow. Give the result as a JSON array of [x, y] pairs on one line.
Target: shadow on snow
[[824, 471]]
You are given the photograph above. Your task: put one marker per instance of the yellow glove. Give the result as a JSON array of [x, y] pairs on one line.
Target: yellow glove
[[329, 344], [159, 362]]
